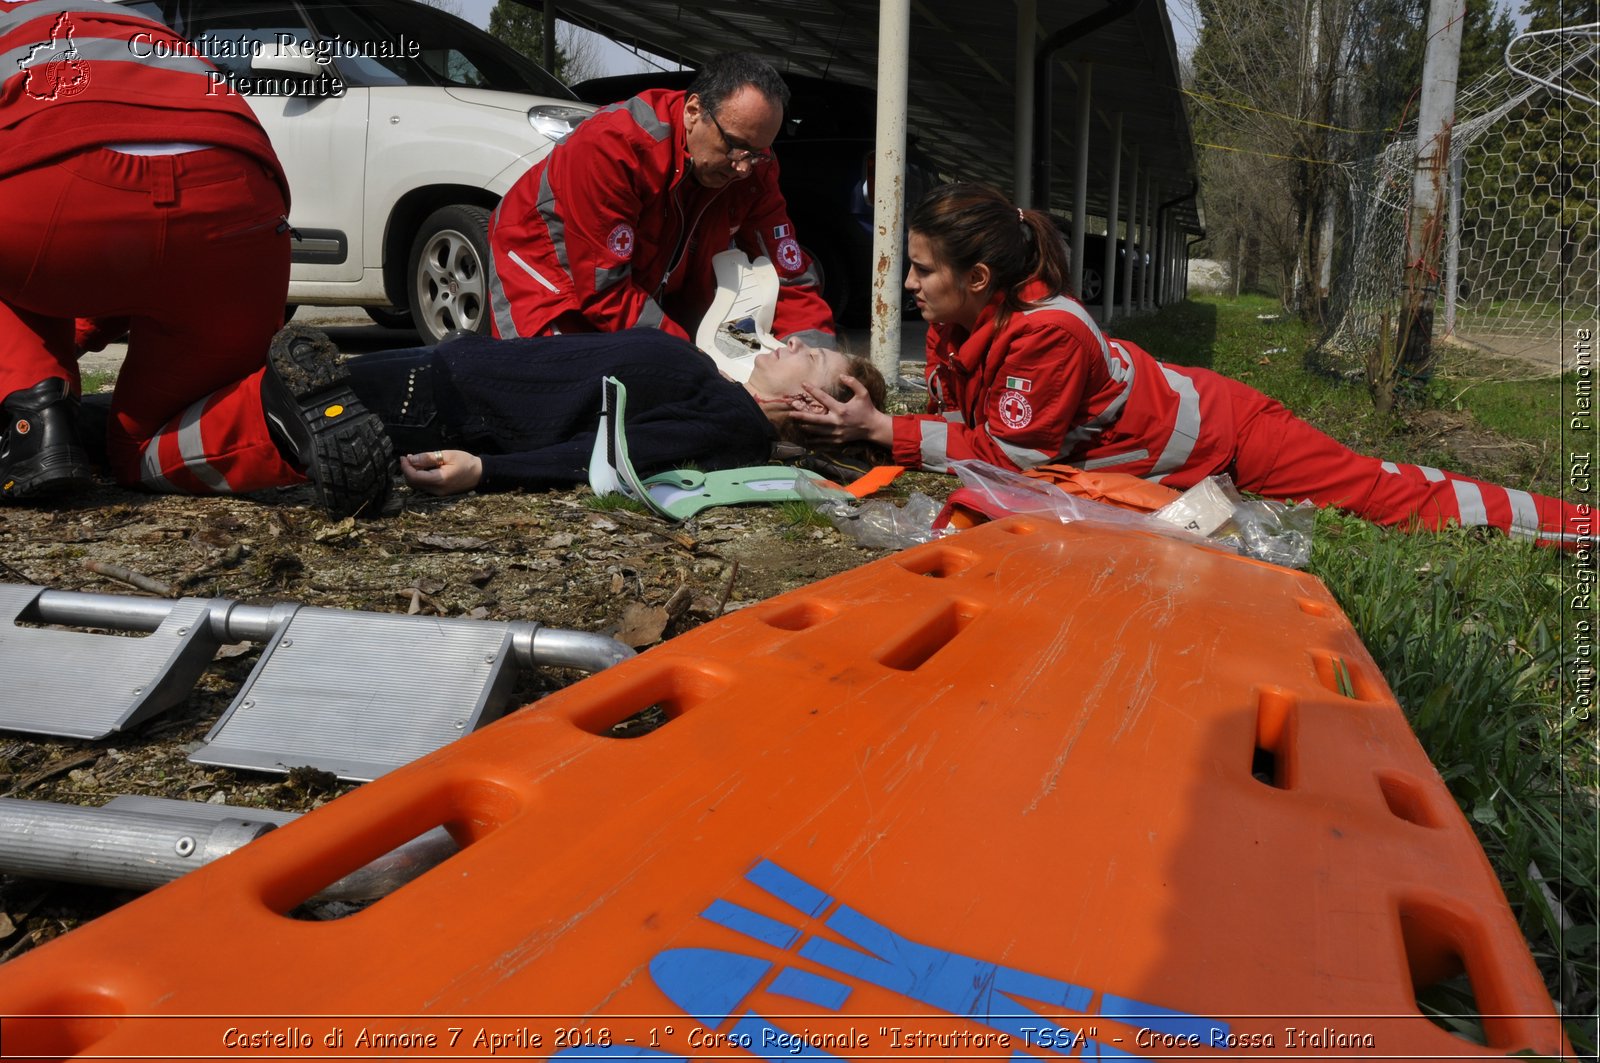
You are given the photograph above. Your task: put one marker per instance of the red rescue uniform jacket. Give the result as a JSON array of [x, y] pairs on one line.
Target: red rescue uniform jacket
[[1046, 386], [93, 73], [610, 231]]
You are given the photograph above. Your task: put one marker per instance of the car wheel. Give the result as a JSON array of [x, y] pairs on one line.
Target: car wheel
[[388, 317], [1091, 286], [449, 271]]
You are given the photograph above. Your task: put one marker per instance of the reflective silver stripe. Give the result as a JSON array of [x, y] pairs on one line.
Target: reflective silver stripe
[[150, 468], [605, 278], [1021, 457], [1186, 430], [1126, 458], [808, 277], [1431, 474], [651, 316], [1391, 467], [552, 223], [530, 271], [935, 445], [1469, 503], [954, 417], [505, 325], [192, 446], [1524, 515], [1119, 371], [645, 116]]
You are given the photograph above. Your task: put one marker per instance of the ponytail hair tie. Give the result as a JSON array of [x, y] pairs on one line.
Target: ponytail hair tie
[[1020, 218]]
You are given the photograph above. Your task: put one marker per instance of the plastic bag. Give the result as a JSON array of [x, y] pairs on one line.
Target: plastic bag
[[875, 523], [1210, 512], [1272, 531], [1267, 531], [1016, 493]]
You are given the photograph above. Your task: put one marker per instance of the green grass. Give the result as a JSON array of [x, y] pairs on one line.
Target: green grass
[[1474, 633], [614, 502], [98, 380]]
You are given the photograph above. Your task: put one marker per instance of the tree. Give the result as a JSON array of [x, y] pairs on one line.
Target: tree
[[449, 7], [522, 27], [1483, 42], [1560, 14]]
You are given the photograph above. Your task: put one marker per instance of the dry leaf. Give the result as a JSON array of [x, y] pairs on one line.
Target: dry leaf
[[345, 529], [453, 542], [559, 541], [642, 624]]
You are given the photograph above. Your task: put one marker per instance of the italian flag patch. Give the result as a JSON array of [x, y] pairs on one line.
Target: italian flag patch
[[1019, 383]]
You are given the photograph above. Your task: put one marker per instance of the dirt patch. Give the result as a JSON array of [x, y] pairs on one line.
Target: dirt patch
[[554, 557], [1468, 443]]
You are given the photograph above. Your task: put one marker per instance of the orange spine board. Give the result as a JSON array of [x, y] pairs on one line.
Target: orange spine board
[[1032, 788]]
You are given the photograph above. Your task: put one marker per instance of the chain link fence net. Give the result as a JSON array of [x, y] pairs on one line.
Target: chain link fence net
[[1519, 254]]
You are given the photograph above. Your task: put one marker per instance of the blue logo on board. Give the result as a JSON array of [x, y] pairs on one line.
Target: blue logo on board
[[708, 984]]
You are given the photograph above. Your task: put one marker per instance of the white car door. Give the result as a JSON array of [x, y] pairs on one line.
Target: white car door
[[317, 123]]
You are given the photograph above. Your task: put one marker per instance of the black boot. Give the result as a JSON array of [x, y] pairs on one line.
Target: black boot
[[321, 426], [41, 453]]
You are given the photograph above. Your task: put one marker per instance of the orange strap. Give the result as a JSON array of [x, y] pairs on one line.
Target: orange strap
[[1118, 488], [874, 479]]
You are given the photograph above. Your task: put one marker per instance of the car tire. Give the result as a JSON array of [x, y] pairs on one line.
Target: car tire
[[449, 273], [388, 317], [288, 311], [1092, 287]]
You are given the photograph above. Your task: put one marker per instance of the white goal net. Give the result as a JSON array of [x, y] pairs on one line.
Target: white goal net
[[1519, 266]]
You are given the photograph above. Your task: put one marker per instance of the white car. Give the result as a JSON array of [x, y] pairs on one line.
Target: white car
[[400, 128]]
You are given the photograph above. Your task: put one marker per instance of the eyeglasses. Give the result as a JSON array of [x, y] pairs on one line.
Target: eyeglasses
[[738, 156]]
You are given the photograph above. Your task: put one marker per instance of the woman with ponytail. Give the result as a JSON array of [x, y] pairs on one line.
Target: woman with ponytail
[[1020, 375]]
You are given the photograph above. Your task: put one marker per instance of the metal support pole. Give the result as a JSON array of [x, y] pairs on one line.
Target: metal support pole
[[1435, 117], [1022, 156], [1146, 252], [535, 645], [1080, 178], [550, 36], [102, 847], [889, 200], [1109, 269], [1164, 274], [1452, 262], [1150, 242], [158, 841], [1128, 235]]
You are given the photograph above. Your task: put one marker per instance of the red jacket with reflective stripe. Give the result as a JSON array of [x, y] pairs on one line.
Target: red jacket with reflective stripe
[[614, 231], [87, 73], [1048, 386]]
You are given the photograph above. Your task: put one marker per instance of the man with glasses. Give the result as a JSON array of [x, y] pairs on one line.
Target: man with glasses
[[617, 227]]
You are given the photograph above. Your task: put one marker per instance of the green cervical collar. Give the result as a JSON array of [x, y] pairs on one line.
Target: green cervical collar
[[681, 493]]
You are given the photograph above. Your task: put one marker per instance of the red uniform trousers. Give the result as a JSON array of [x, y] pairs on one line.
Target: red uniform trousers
[[1280, 456], [188, 248]]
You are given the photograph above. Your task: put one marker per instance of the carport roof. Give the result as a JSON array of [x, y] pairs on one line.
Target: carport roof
[[963, 59]]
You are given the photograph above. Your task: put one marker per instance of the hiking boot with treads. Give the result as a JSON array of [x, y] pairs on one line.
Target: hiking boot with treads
[[322, 427], [40, 453]]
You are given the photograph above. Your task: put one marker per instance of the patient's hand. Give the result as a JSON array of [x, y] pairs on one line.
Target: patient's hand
[[442, 472]]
